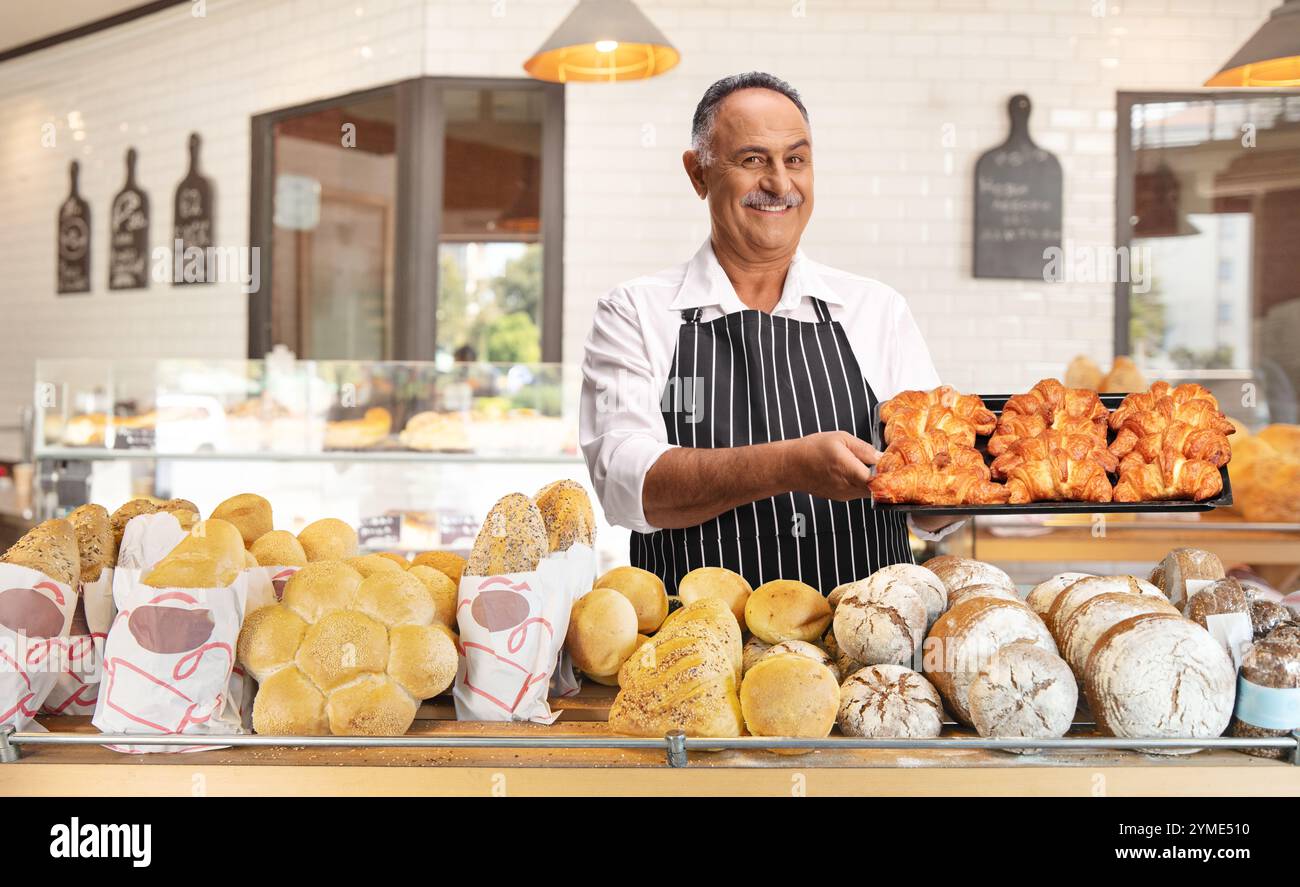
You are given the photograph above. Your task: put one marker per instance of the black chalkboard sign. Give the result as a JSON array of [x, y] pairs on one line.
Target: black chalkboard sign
[[192, 221], [73, 275], [384, 529], [128, 234], [1017, 203]]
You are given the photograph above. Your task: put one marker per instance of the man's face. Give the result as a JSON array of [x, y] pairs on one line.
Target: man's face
[[760, 183]]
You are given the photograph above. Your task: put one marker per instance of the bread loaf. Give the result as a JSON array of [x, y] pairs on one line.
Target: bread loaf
[[646, 592], [1044, 593], [120, 518], [789, 695], [1160, 675], [801, 648], [49, 548], [1069, 600], [249, 512], [95, 548], [1180, 565], [513, 539], [1023, 691], [1081, 630], [448, 563], [752, 651], [1266, 615], [889, 701], [844, 663], [787, 610], [1268, 693], [964, 638], [279, 548], [880, 620], [934, 594], [983, 589], [680, 682], [567, 514], [1222, 597], [328, 539], [602, 631], [210, 556], [718, 582], [958, 572], [707, 617]]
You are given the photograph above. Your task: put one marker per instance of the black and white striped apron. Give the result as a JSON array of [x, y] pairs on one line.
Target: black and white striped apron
[[751, 378]]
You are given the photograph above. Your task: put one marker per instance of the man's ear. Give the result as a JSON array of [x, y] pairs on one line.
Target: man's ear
[[695, 172]]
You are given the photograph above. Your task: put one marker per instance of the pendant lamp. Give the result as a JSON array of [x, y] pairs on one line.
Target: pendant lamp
[[1271, 57], [603, 40]]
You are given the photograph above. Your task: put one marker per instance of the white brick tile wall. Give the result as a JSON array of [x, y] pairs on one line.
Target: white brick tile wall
[[882, 78]]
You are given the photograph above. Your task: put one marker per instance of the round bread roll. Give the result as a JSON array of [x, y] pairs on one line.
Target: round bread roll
[[1223, 597], [934, 594], [279, 548], [441, 589], [959, 572], [983, 589], [646, 592], [364, 639], [1069, 600], [836, 593], [720, 583], [1178, 566], [328, 539], [789, 695], [249, 560], [753, 650], [321, 588], [964, 638], [396, 558], [249, 512], [422, 659], [288, 704], [787, 610], [611, 680], [269, 640], [881, 620], [448, 563], [802, 648], [367, 564], [602, 631], [1094, 617], [1044, 593], [1158, 675], [394, 598], [1023, 690], [373, 705], [889, 701]]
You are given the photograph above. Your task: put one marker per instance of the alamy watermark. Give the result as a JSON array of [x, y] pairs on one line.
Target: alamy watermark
[[1096, 263], [213, 264]]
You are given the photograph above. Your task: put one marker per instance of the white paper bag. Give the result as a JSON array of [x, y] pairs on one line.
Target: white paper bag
[[512, 630], [168, 660], [77, 688], [35, 613]]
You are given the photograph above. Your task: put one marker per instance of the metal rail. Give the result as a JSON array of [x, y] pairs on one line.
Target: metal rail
[[675, 745]]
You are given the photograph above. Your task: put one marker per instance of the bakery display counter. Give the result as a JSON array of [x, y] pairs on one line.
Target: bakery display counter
[[554, 761]]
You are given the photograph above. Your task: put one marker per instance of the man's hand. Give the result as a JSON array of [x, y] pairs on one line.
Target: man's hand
[[833, 465]]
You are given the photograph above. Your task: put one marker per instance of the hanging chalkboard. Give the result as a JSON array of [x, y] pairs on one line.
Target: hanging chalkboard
[[73, 275], [128, 234], [1017, 203], [192, 221]]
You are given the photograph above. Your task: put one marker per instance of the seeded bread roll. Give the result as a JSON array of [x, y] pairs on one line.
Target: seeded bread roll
[[1159, 675], [1180, 565], [328, 539], [512, 539], [959, 572], [441, 589], [1023, 691], [95, 548], [448, 563], [394, 598], [1069, 600], [340, 647], [269, 640], [717, 582], [249, 512], [279, 548], [983, 589], [1080, 632], [373, 705], [567, 513], [934, 594], [646, 592], [288, 704], [120, 518], [321, 588], [422, 659], [210, 556], [880, 620], [708, 617], [368, 564], [752, 651], [680, 682], [1269, 666], [1219, 599], [889, 701], [1041, 598], [49, 548], [602, 631], [787, 610], [802, 648], [790, 695], [966, 637]]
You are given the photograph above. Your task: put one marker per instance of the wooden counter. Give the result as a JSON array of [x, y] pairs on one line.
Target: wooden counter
[[93, 770]]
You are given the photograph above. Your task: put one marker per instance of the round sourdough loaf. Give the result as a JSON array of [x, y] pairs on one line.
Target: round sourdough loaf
[[966, 637], [1094, 617], [880, 620], [716, 582], [1069, 600], [889, 701], [1044, 593], [959, 572], [984, 589], [802, 648], [1158, 675], [1180, 565], [787, 610], [934, 594], [789, 695], [1023, 691]]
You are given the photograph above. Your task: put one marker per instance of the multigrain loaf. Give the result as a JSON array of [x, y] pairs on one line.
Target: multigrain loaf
[[1268, 698], [1179, 566], [789, 695], [513, 539], [95, 547], [1158, 675], [120, 518], [884, 701], [1023, 691], [880, 620], [1069, 600], [646, 592], [1222, 597], [1044, 593], [1081, 630], [787, 610], [567, 514], [49, 548], [717, 582], [966, 637], [1266, 615]]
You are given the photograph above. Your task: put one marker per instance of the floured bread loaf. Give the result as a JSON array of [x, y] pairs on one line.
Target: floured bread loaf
[[1178, 566], [210, 556], [880, 620], [789, 695], [95, 548], [889, 701], [513, 539], [1160, 675], [1069, 600], [934, 594], [801, 648], [983, 589], [1081, 630], [787, 610], [1044, 593], [646, 592], [1023, 691], [567, 513], [249, 512], [753, 650], [49, 548], [833, 599], [718, 582], [602, 631], [964, 639], [959, 572]]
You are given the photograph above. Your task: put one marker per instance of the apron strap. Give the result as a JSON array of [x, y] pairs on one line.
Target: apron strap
[[823, 312], [692, 315]]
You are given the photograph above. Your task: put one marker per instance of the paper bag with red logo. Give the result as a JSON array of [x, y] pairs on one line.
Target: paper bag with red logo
[[35, 613], [82, 653], [512, 630]]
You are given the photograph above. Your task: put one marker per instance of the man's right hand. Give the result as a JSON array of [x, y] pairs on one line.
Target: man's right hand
[[833, 465]]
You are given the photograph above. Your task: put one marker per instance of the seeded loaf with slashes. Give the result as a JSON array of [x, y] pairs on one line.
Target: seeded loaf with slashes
[[513, 539], [49, 548], [567, 515], [95, 548]]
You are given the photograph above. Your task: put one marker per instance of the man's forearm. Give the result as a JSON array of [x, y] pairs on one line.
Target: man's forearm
[[688, 486]]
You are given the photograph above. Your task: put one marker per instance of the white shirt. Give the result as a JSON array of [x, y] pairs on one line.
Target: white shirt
[[634, 334]]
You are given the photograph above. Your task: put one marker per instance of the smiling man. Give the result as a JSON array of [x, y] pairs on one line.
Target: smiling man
[[727, 403]]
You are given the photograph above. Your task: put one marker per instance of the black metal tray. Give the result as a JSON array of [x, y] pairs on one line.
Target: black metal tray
[[996, 402]]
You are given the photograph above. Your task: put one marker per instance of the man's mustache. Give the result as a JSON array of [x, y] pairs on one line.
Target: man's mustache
[[762, 199]]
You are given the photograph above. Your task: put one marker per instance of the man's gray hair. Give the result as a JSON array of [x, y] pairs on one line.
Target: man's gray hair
[[707, 110]]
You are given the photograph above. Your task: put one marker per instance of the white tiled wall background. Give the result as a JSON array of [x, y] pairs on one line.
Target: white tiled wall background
[[885, 82]]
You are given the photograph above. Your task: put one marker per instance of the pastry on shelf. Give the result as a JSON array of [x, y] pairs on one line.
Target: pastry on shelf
[[433, 431], [1049, 405], [1153, 412], [913, 413], [937, 485], [1056, 466], [359, 434]]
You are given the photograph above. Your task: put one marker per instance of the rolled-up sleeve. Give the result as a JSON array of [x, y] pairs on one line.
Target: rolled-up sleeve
[[620, 428]]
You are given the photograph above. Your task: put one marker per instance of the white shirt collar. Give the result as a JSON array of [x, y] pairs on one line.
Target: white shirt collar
[[705, 285]]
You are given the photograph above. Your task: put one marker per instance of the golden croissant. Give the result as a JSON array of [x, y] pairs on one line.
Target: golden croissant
[[1049, 405], [936, 448], [931, 485], [1170, 476], [1056, 466], [943, 409], [1196, 414]]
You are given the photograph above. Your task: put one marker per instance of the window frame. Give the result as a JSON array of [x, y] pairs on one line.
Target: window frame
[[418, 210]]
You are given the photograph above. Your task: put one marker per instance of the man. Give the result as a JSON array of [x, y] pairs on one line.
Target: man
[[728, 403]]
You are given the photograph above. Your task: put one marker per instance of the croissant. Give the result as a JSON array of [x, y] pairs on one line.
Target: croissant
[[945, 404], [1049, 404], [1056, 466], [1199, 414], [937, 448], [931, 485], [1187, 441], [1170, 476], [1144, 401]]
